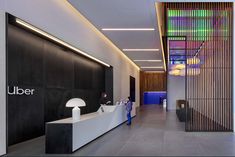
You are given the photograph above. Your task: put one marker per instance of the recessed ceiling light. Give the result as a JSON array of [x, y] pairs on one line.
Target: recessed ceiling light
[[147, 60], [128, 29], [158, 67], [140, 49], [154, 71]]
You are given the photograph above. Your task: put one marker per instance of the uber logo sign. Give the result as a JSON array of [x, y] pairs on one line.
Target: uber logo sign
[[15, 90]]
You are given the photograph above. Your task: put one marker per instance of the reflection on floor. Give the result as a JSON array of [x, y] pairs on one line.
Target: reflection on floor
[[153, 132]]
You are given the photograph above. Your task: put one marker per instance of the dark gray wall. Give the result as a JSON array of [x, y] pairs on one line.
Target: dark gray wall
[[132, 88], [56, 74], [109, 83]]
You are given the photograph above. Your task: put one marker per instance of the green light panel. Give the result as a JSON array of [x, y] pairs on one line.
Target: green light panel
[[197, 23]]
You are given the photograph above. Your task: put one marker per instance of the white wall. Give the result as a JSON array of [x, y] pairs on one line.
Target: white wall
[[58, 18], [175, 90], [2, 84]]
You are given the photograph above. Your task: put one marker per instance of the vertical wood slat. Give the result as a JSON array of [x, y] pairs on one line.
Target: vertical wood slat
[[213, 67], [210, 93]]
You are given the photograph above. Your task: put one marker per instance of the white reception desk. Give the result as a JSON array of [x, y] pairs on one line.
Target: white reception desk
[[66, 136]]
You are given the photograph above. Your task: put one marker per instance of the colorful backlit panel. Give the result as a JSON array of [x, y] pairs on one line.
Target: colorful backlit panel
[[200, 24], [208, 29], [191, 31]]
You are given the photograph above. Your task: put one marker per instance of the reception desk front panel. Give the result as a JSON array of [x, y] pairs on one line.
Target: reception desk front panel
[[66, 136]]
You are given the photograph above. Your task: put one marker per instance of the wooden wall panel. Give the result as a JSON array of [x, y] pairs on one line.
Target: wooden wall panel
[[152, 81]]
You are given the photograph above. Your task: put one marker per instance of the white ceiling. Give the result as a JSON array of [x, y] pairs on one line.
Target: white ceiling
[[126, 14]]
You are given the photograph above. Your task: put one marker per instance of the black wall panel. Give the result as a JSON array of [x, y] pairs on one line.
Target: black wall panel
[[132, 88], [59, 67], [25, 116], [57, 74], [25, 58], [109, 83], [55, 100]]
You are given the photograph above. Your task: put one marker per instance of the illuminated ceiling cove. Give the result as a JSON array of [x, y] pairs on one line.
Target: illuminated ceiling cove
[[132, 25]]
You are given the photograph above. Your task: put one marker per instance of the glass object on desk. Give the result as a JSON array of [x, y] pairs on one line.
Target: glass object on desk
[[122, 102], [102, 109]]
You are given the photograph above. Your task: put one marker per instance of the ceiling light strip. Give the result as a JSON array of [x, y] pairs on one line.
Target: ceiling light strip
[[128, 29], [25, 24], [100, 34], [154, 71], [158, 67], [147, 60], [140, 50], [159, 29]]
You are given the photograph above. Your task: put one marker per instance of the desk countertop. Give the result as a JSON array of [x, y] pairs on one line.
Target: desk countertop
[[107, 109]]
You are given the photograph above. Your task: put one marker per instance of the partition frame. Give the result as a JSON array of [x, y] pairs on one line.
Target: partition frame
[[213, 7]]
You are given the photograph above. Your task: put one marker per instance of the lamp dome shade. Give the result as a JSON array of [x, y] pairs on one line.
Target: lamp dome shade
[[75, 102]]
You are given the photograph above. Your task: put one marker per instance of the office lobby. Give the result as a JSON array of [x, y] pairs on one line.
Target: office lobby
[[117, 78]]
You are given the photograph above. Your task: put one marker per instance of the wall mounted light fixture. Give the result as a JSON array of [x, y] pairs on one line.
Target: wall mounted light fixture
[[128, 29]]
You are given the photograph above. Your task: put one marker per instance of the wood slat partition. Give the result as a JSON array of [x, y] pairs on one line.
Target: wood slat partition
[[208, 28]]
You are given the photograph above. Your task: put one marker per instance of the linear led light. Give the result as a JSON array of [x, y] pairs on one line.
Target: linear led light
[[100, 34], [25, 24], [154, 71], [147, 60], [128, 29], [152, 67], [140, 49], [160, 32]]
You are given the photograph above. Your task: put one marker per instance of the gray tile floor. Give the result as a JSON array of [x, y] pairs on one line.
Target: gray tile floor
[[153, 132]]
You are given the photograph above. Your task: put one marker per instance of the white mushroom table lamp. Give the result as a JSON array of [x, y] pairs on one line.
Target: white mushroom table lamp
[[76, 103]]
